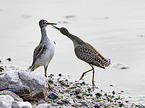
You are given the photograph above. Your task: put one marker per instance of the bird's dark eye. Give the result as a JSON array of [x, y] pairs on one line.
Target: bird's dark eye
[[43, 23]]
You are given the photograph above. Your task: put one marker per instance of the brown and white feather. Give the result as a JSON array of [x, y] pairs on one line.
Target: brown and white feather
[[87, 53]]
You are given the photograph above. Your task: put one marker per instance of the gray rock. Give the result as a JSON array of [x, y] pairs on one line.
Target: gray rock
[[21, 84], [15, 105], [32, 83], [13, 95], [45, 105], [21, 105], [36, 89], [3, 104], [4, 82], [21, 90], [41, 101], [13, 74], [6, 101]]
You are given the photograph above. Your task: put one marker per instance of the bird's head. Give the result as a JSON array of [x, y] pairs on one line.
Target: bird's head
[[63, 30], [44, 23]]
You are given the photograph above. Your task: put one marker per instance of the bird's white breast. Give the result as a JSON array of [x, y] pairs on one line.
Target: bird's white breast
[[48, 54]]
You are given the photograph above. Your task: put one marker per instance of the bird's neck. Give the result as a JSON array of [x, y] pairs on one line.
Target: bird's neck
[[76, 40], [44, 37]]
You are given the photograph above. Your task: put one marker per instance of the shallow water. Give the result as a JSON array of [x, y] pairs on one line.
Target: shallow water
[[115, 28]]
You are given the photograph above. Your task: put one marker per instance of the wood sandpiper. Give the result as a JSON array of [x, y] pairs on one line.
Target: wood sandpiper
[[86, 52]]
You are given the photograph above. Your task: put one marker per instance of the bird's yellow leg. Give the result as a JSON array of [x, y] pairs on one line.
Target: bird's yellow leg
[[93, 84], [47, 84], [86, 72], [45, 69]]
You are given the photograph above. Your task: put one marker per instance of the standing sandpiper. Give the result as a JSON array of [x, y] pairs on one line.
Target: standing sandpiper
[[44, 52], [86, 52]]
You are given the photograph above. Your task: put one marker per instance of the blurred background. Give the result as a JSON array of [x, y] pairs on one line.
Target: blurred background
[[116, 28]]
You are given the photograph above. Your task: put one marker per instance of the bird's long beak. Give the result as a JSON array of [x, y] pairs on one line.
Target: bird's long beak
[[56, 27], [51, 23]]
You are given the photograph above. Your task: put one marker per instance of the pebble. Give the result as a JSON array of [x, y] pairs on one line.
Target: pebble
[[71, 94], [72, 87], [84, 104], [78, 90], [60, 102], [78, 104], [60, 74], [97, 106], [83, 83], [65, 101], [1, 68], [51, 75], [113, 92], [9, 59], [52, 96], [89, 89], [79, 96], [120, 104], [63, 83], [50, 81], [98, 95], [41, 101], [15, 105]]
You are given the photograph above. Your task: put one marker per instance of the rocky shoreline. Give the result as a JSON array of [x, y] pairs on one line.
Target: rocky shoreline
[[19, 90]]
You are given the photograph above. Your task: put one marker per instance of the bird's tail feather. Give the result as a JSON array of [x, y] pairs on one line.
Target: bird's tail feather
[[107, 63], [31, 68]]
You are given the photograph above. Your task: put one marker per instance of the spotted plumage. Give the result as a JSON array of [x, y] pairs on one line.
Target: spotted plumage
[[86, 52], [91, 56]]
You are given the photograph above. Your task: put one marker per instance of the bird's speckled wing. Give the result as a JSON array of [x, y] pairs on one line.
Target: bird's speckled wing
[[38, 51], [88, 54]]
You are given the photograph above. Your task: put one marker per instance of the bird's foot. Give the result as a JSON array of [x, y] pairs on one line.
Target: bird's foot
[[45, 75]]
